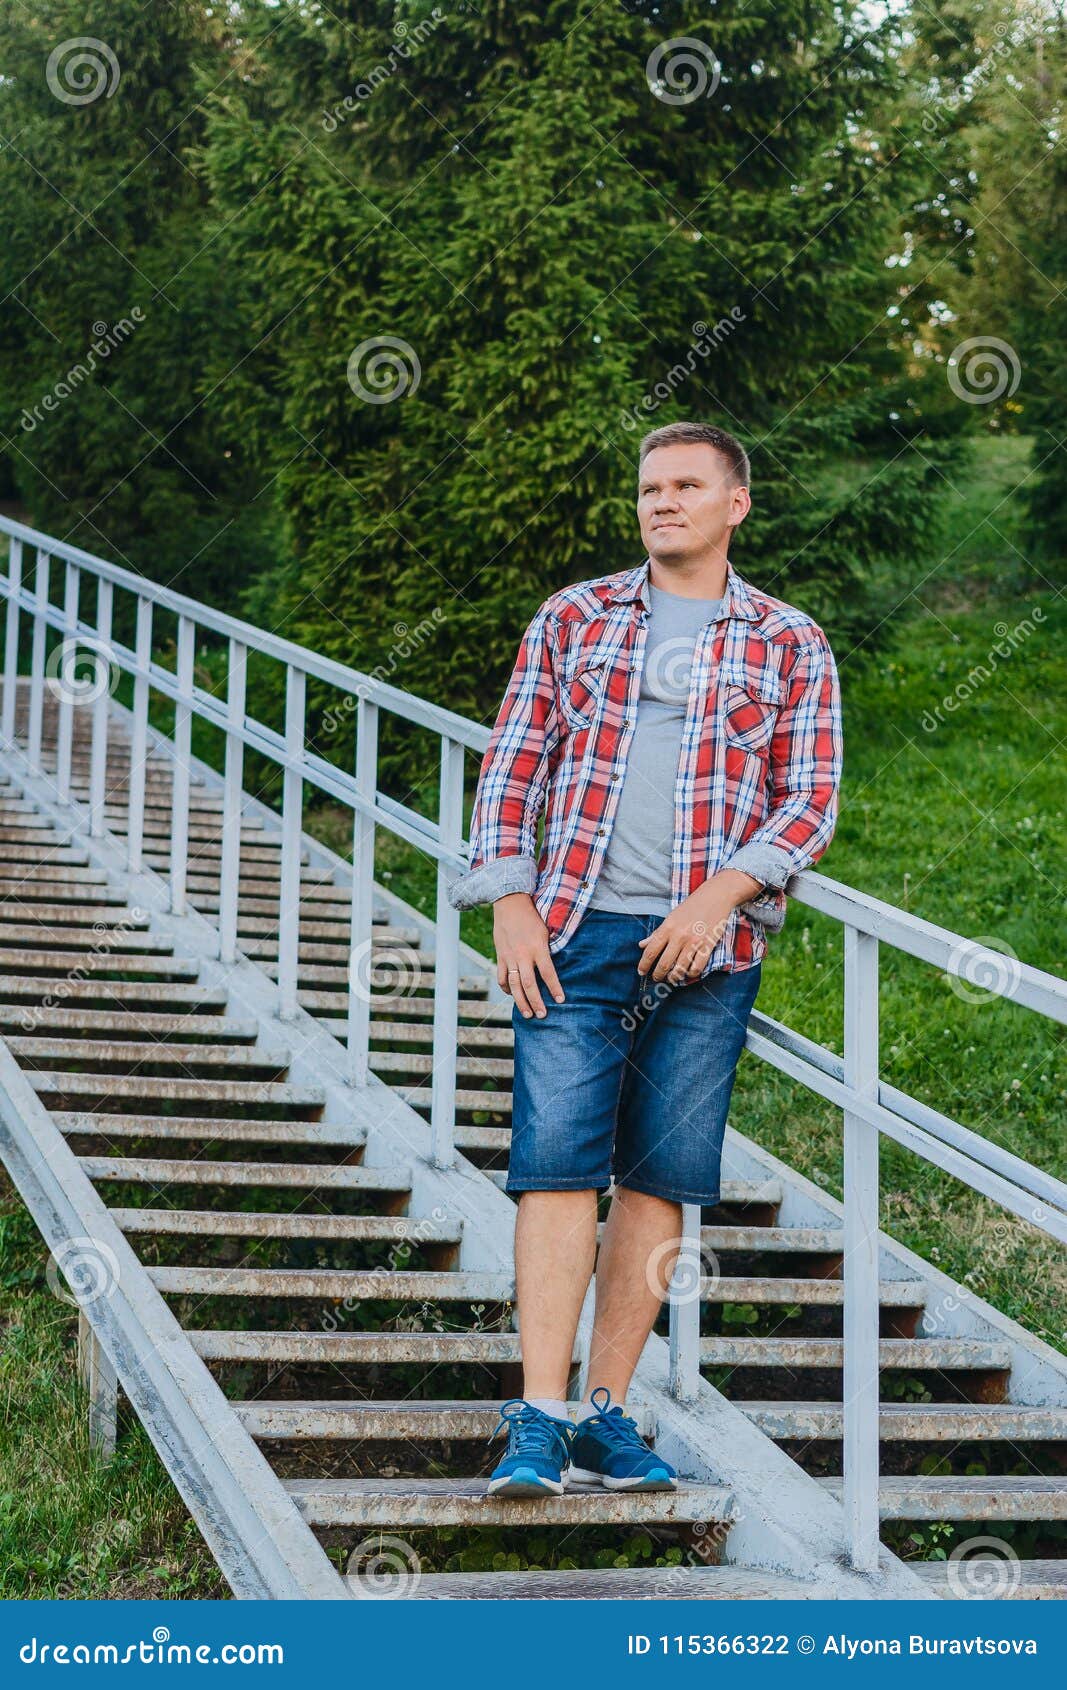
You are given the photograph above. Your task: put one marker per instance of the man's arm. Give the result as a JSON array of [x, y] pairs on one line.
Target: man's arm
[[512, 781]]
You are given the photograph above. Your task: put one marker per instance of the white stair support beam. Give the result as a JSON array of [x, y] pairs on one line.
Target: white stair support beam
[[230, 869], [683, 1370], [63, 686], [102, 697], [446, 963], [292, 813], [360, 955], [35, 723], [13, 586], [860, 1265], [103, 1387], [183, 724], [139, 737]]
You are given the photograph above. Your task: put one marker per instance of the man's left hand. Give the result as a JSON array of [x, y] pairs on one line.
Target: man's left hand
[[681, 945]]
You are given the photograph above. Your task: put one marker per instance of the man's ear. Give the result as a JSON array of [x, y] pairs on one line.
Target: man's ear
[[740, 505]]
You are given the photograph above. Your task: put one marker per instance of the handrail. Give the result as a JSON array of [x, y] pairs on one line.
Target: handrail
[[852, 1082]]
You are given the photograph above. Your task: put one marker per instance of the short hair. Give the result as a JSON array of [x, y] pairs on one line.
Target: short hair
[[700, 434]]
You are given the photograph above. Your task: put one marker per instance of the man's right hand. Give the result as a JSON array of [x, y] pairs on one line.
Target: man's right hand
[[522, 953]]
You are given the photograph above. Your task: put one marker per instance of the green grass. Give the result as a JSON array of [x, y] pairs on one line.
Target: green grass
[[958, 817]]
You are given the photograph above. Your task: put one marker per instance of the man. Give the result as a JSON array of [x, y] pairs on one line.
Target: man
[[681, 732]]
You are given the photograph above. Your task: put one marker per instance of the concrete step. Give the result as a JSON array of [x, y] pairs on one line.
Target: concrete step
[[109, 960], [914, 1354], [487, 1348], [409, 1006], [799, 1240], [88, 915], [415, 1418], [154, 1091], [56, 881], [299, 1176], [892, 1293], [34, 893], [410, 1503], [215, 1223], [43, 938], [952, 1497], [144, 1026], [349, 1135], [1025, 1581], [916, 1422], [416, 1062], [139, 1056], [50, 853], [125, 994], [374, 1284], [612, 1584]]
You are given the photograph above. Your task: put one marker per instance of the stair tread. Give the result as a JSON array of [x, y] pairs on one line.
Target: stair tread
[[963, 1421], [409, 1418], [293, 1134], [116, 1021], [358, 1346], [157, 1089], [203, 1172], [441, 1502], [245, 1224], [961, 1353], [62, 963], [370, 1284], [156, 1052], [893, 1293], [622, 1584], [1030, 1496], [1026, 1581]]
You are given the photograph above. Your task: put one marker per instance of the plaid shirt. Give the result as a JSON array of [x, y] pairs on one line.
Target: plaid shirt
[[758, 773]]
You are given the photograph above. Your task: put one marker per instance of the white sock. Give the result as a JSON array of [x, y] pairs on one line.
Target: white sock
[[584, 1410], [549, 1405]]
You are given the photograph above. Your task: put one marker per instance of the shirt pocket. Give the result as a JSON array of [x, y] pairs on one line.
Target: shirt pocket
[[581, 687], [751, 699]]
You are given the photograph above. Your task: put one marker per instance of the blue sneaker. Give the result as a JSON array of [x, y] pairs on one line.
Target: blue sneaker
[[609, 1450], [537, 1454]]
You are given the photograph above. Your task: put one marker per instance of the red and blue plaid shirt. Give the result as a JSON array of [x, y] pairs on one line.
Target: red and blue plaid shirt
[[758, 774]]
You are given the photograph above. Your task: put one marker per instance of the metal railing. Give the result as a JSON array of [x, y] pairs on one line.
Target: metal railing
[[869, 1106]]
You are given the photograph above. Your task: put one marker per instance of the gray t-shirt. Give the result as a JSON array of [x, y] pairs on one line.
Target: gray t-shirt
[[635, 876]]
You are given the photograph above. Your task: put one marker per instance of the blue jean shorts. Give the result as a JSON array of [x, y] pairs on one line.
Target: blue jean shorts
[[630, 1078]]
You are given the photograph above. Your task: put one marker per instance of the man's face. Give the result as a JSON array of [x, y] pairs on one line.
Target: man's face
[[687, 503]]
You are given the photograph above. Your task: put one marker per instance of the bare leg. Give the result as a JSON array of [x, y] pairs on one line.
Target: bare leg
[[555, 1247], [641, 1240]]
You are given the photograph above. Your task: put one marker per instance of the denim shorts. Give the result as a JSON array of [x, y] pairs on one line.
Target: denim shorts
[[630, 1079]]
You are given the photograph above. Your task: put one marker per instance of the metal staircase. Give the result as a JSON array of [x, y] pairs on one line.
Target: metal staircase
[[266, 1156]]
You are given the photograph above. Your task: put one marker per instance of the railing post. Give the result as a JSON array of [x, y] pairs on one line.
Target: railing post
[[98, 751], [139, 737], [230, 865], [35, 725], [11, 640], [63, 687], [292, 809], [446, 961], [861, 1394], [183, 740], [684, 1294], [361, 937]]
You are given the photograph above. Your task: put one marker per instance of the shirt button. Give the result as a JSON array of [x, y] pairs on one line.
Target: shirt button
[[582, 884]]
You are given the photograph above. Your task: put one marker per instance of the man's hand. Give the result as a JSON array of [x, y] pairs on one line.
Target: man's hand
[[679, 948], [522, 952]]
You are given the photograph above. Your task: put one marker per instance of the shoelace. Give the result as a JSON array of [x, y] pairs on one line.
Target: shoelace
[[530, 1429], [611, 1423]]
